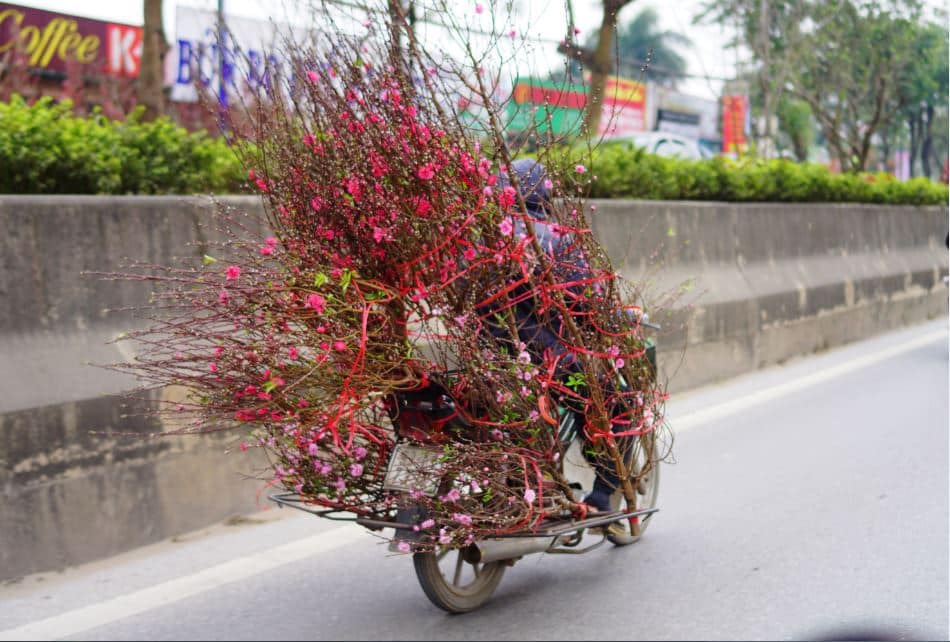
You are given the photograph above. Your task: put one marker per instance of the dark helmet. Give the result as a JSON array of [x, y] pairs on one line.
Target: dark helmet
[[531, 177]]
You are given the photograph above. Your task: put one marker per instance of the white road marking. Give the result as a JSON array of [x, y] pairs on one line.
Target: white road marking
[[719, 411], [96, 615]]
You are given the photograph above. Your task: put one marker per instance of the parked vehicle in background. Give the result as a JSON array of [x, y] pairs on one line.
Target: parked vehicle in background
[[667, 144]]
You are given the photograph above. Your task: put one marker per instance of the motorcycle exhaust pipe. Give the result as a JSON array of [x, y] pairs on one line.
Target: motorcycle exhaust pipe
[[505, 548]]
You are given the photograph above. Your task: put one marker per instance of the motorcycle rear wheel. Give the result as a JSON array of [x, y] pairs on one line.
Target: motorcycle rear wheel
[[453, 584]]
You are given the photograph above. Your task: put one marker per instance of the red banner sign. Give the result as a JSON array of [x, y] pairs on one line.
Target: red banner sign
[[51, 41], [734, 113]]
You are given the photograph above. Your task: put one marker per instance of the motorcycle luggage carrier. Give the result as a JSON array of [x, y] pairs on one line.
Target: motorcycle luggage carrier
[[298, 502], [551, 529]]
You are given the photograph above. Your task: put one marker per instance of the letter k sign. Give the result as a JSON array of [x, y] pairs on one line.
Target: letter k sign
[[124, 50]]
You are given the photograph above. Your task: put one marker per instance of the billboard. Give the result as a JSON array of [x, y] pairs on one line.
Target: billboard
[[559, 107], [51, 42], [684, 114], [195, 52]]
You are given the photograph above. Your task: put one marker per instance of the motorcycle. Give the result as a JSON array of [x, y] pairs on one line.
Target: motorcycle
[[461, 579]]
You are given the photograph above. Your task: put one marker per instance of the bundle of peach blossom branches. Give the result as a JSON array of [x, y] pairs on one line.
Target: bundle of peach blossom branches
[[398, 253]]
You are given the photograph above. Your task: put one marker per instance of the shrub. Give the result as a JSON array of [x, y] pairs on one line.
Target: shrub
[[623, 171], [45, 149]]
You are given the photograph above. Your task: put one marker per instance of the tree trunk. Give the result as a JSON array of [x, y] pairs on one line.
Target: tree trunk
[[151, 92], [926, 143], [601, 67], [913, 123], [764, 148], [886, 152]]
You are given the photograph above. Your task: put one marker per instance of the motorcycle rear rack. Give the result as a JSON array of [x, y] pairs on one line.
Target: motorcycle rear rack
[[553, 529], [293, 500]]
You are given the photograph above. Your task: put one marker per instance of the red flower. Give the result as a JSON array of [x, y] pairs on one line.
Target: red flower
[[426, 172]]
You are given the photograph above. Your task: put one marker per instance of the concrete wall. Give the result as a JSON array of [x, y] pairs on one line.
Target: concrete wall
[[768, 282], [67, 495], [753, 284]]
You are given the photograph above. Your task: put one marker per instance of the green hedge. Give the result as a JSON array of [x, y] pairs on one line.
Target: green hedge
[[622, 171], [45, 149]]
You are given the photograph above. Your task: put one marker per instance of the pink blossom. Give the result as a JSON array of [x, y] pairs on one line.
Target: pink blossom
[[580, 169], [403, 547], [506, 227], [312, 76], [378, 234], [429, 523], [462, 518], [312, 448], [479, 7], [213, 367], [179, 355], [507, 198], [317, 302], [452, 496], [512, 34], [548, 184], [354, 188], [243, 447], [534, 415], [470, 254], [356, 470], [339, 346], [577, 31], [529, 495], [359, 453], [292, 353], [487, 191], [271, 241], [232, 273], [223, 297], [266, 250], [619, 363], [613, 352], [426, 172], [444, 538]]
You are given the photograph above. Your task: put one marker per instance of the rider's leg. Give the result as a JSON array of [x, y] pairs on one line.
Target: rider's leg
[[606, 480]]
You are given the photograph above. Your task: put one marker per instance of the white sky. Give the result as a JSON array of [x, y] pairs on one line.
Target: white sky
[[706, 57]]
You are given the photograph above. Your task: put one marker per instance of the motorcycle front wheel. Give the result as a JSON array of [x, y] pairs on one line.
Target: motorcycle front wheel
[[453, 584], [645, 471]]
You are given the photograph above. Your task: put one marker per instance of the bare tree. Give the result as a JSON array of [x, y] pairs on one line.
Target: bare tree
[[599, 61]]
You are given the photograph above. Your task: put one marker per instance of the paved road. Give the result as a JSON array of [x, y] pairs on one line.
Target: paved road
[[805, 500]]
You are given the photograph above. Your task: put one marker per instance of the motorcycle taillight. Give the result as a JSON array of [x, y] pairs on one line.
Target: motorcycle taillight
[[418, 425]]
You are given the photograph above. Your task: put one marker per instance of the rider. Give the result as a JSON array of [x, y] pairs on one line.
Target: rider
[[569, 266]]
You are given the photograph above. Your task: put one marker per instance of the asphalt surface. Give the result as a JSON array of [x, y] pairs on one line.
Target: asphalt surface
[[808, 501]]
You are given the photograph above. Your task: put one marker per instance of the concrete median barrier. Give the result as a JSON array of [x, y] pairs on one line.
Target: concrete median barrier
[[749, 285]]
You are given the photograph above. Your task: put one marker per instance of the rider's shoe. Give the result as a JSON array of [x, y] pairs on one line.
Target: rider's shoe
[[599, 501]]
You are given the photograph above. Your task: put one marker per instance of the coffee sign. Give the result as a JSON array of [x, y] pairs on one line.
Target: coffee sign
[[50, 41]]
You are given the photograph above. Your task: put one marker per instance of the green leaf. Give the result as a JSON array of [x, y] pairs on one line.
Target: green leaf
[[345, 280], [207, 259], [319, 279], [270, 386]]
